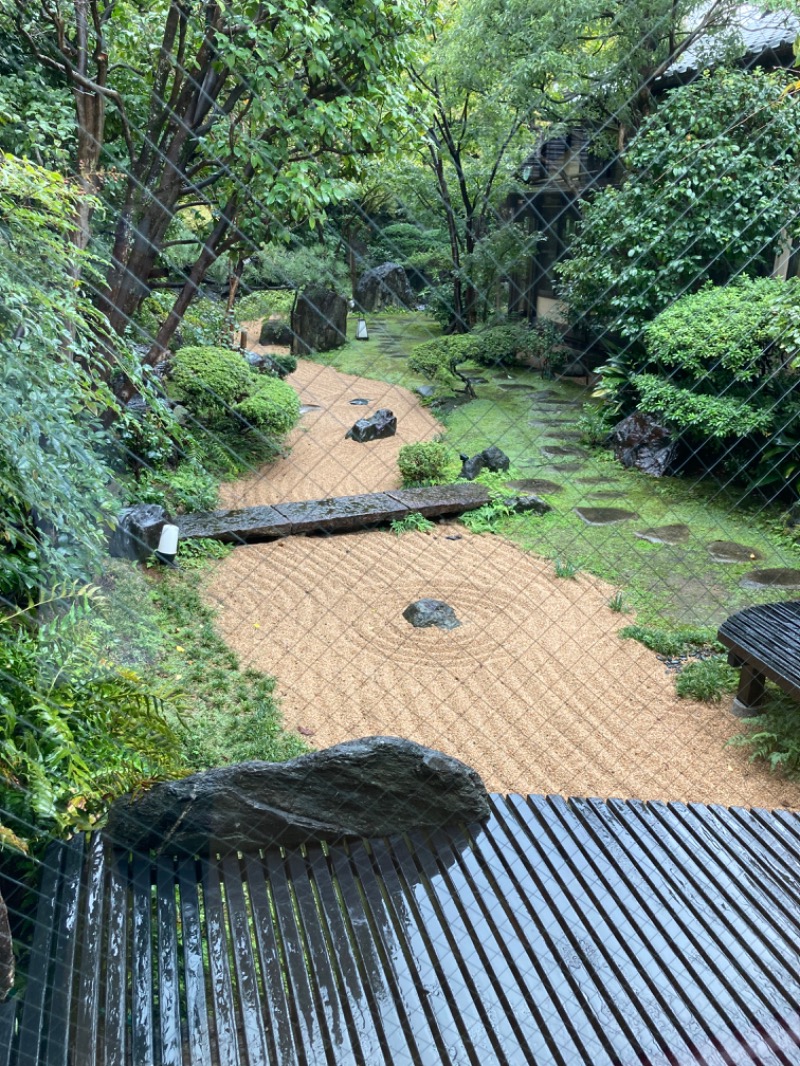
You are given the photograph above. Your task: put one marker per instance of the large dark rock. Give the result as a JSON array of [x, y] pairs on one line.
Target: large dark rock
[[319, 321], [275, 332], [384, 286], [425, 613], [382, 424], [364, 788], [639, 441], [527, 503], [138, 531], [491, 458]]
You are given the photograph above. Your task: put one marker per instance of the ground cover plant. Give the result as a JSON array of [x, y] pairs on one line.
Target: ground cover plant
[[774, 736]]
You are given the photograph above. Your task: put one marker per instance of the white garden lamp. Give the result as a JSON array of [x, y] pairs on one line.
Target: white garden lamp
[[168, 545], [361, 330]]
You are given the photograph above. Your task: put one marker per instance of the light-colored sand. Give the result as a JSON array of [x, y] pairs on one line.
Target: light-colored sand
[[321, 462], [534, 690]]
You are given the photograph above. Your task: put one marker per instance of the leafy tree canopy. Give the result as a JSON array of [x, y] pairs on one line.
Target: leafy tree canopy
[[712, 183]]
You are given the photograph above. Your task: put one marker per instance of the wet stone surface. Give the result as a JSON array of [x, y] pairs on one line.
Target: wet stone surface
[[514, 386], [778, 577], [674, 534], [604, 516], [591, 480], [608, 494], [728, 551], [306, 407], [536, 485], [424, 613], [566, 468], [359, 402], [555, 450]]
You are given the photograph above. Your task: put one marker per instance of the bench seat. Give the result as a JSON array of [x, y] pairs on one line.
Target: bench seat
[[763, 641]]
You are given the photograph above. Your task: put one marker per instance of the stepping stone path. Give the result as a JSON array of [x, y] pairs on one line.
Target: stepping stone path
[[778, 577], [555, 450], [664, 534], [728, 551], [535, 484], [604, 516]]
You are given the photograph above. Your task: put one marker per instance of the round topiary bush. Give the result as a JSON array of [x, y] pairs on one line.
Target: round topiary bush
[[272, 408], [427, 463], [212, 380]]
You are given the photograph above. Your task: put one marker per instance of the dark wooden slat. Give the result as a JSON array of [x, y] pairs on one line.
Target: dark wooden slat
[[66, 922], [727, 960], [225, 1037], [8, 1017], [169, 1016], [449, 1024], [115, 1037], [573, 1010], [87, 1008], [330, 1008], [605, 900], [306, 1025], [249, 995], [765, 641], [283, 1047], [354, 995], [476, 943], [198, 1043], [457, 975], [393, 1025], [424, 1034], [142, 1014], [33, 1012]]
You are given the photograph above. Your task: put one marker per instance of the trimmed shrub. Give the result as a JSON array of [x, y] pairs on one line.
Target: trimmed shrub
[[427, 463], [502, 345], [265, 303], [438, 359], [273, 408], [212, 380]]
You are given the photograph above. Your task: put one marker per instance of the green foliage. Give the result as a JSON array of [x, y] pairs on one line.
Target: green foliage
[[774, 736], [411, 523], [427, 463], [273, 408], [76, 729], [594, 424], [706, 679], [501, 345], [565, 568], [189, 487], [55, 498], [439, 359], [265, 303], [297, 266], [490, 517], [197, 551], [708, 195], [211, 380], [409, 244], [617, 603], [231, 714], [203, 325], [672, 642], [285, 364]]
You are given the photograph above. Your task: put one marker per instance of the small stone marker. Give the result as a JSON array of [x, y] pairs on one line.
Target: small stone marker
[[424, 613]]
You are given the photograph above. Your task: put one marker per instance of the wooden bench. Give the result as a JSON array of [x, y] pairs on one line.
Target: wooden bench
[[763, 641]]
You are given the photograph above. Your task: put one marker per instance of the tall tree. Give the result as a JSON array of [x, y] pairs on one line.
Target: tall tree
[[249, 111]]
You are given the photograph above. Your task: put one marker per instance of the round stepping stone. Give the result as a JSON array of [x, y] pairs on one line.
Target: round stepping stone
[[554, 450], [359, 402], [566, 467], [604, 516], [563, 434], [514, 386], [664, 534], [778, 577], [728, 551], [591, 480], [535, 485]]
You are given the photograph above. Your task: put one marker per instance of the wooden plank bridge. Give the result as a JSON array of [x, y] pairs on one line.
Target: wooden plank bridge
[[559, 932]]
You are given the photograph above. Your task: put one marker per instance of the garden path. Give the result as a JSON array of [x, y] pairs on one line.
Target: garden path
[[534, 689]]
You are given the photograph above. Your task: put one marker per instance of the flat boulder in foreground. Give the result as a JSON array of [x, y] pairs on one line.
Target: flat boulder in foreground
[[372, 787]]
